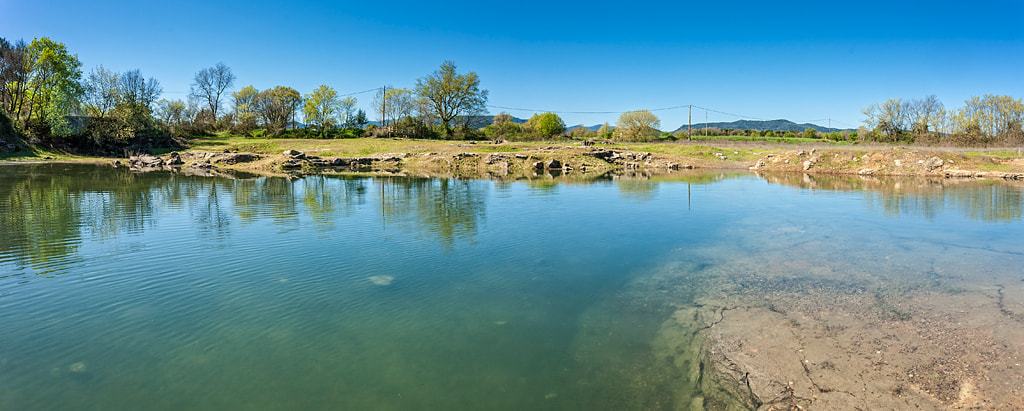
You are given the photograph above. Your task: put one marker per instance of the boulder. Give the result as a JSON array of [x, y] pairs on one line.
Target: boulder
[[553, 165], [202, 165], [294, 154], [933, 163], [174, 159], [808, 164], [145, 161], [234, 158]]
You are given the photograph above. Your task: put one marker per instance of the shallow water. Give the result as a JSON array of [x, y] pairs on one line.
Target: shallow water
[[163, 291]]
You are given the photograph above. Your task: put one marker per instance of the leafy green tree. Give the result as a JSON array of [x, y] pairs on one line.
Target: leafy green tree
[[547, 124], [321, 108], [246, 109], [360, 120], [810, 133], [503, 126], [53, 84], [174, 113], [637, 125], [452, 95]]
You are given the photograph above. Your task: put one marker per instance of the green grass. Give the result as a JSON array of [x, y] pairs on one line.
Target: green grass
[[994, 167], [1000, 154], [706, 152], [784, 140], [35, 154]]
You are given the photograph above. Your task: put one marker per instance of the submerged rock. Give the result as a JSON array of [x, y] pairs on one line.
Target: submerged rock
[[382, 280]]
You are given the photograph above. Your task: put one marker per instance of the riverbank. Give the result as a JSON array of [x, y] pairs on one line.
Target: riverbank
[[489, 159]]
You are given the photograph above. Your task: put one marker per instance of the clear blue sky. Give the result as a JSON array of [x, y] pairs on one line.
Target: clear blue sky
[[759, 60]]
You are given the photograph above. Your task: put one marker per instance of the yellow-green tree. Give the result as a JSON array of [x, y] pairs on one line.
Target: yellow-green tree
[[245, 102], [453, 95], [321, 108], [637, 125]]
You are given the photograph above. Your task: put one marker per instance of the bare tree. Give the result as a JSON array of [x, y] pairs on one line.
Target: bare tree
[[14, 72], [137, 93], [923, 114], [394, 105], [101, 92], [210, 84]]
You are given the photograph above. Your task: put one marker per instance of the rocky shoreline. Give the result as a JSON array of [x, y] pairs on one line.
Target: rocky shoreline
[[544, 160], [893, 162], [563, 160]]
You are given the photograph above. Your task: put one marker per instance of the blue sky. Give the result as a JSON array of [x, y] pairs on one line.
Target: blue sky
[[757, 60]]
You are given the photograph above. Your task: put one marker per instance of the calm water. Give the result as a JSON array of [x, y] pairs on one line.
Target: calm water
[[162, 291]]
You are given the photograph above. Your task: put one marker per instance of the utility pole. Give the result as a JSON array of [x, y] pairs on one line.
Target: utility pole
[[689, 121], [705, 124]]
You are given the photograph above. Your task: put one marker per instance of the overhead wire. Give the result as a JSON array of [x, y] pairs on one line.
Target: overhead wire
[[739, 116]]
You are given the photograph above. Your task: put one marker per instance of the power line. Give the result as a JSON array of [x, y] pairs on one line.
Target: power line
[[359, 92], [554, 111], [730, 114], [620, 112]]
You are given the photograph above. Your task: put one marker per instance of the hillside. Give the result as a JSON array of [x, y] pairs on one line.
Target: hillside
[[774, 125]]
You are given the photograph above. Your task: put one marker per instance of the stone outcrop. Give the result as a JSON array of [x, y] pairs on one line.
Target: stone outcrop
[[145, 162]]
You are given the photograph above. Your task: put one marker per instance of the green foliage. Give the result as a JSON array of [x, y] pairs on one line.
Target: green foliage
[[452, 95], [53, 85], [639, 125], [321, 108], [547, 124], [810, 133]]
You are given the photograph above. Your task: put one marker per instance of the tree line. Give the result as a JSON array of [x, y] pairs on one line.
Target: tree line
[[988, 120], [45, 96]]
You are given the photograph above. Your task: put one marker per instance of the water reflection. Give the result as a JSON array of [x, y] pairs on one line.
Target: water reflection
[[449, 209], [46, 211], [982, 200]]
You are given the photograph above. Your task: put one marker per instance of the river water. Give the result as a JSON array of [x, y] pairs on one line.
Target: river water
[[163, 291]]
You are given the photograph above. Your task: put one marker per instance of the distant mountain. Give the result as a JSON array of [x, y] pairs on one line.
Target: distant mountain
[[594, 127], [774, 125]]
